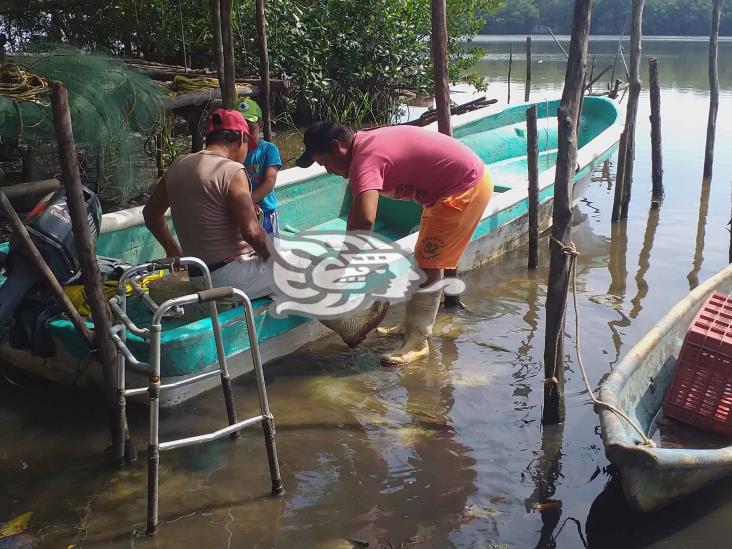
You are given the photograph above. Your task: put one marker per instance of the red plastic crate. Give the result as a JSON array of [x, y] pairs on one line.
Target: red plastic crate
[[700, 393]]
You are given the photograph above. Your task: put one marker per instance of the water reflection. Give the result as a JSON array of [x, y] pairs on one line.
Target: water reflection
[[701, 227], [644, 261]]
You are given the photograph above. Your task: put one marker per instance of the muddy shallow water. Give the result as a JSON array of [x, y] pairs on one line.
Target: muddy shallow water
[[448, 452]]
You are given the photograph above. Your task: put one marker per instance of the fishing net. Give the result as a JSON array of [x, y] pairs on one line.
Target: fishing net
[[114, 111]]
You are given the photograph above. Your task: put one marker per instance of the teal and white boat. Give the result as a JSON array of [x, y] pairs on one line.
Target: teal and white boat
[[310, 199]]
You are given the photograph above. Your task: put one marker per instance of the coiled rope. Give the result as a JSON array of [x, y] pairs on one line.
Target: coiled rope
[[571, 251], [19, 85]]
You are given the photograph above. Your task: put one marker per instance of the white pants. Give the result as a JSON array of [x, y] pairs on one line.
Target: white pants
[[249, 274]]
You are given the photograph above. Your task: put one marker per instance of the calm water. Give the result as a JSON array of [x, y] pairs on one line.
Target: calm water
[[441, 454]]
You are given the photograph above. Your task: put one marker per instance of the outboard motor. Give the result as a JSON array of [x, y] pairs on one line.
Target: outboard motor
[[49, 226]]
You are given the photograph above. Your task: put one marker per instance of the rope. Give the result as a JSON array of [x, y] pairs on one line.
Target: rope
[[187, 84], [571, 251], [19, 85]]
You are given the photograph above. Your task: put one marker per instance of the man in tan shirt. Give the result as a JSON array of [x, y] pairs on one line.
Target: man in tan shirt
[[215, 219]]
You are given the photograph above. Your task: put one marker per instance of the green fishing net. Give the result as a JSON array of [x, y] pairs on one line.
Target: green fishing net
[[115, 111]]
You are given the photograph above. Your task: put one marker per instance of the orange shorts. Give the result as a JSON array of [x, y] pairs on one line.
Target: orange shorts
[[447, 226]]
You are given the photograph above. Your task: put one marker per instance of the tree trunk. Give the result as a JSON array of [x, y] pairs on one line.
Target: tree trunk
[[632, 110], [532, 152], [229, 92], [656, 152], [713, 90], [218, 44], [264, 69], [554, 410], [439, 61], [85, 250]]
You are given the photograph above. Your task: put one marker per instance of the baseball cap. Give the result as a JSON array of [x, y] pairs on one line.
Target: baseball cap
[[249, 109], [231, 120], [317, 139]]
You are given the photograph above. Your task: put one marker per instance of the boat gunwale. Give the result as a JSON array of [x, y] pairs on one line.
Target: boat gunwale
[[620, 445]]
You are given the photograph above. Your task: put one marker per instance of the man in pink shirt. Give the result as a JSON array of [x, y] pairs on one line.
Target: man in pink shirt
[[407, 163]]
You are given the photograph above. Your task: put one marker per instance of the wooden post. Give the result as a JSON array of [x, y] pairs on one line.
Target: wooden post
[[625, 178], [527, 89], [532, 153], [619, 169], [3, 41], [228, 94], [218, 44], [617, 54], [510, 62], [30, 250], [558, 43], [85, 249], [556, 299], [264, 69], [439, 61], [656, 156], [713, 89], [159, 158]]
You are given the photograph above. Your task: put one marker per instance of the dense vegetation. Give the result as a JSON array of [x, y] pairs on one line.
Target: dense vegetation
[[670, 17], [349, 59]]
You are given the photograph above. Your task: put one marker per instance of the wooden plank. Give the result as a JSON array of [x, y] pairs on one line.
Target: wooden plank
[[568, 112]]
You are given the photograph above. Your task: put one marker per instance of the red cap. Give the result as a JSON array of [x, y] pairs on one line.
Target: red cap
[[232, 120]]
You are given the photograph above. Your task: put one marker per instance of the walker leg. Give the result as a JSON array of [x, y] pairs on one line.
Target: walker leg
[[153, 463], [268, 428]]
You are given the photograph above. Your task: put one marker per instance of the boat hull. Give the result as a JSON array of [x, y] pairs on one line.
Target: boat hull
[[655, 477]]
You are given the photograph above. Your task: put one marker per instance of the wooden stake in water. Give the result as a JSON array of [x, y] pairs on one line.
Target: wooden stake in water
[[527, 90], [264, 69], [626, 155], [713, 89], [656, 156], [85, 250], [532, 154], [556, 300], [510, 62], [439, 61]]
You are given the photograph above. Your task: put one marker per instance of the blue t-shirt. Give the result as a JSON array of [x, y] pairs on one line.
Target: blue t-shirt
[[265, 155]]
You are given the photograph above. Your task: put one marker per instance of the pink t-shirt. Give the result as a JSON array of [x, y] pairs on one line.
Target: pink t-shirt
[[410, 163]]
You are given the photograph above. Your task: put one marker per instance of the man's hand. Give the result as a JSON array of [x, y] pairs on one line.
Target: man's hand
[[245, 213], [154, 215]]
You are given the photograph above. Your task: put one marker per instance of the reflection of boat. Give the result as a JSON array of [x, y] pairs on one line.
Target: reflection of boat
[[313, 200], [654, 477]]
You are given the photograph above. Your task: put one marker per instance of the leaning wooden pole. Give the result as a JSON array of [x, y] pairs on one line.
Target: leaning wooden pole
[[215, 6], [86, 252], [632, 109], [439, 62], [532, 152], [554, 411], [713, 89], [264, 69], [656, 155], [228, 94], [510, 63], [527, 89]]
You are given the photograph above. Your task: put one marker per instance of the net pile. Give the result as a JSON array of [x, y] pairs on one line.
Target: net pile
[[114, 110]]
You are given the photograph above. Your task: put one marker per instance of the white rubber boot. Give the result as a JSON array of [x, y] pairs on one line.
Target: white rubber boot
[[419, 319], [353, 329]]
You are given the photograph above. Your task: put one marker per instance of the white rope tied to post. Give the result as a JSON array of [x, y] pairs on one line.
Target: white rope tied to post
[[571, 251]]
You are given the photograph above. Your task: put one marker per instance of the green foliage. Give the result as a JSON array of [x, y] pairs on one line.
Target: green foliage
[[348, 59], [671, 17]]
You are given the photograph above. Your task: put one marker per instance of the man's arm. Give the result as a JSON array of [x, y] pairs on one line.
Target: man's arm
[[269, 178], [363, 211], [154, 215], [242, 206]]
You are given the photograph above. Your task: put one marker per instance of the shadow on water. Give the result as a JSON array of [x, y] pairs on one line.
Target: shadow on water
[[611, 523], [644, 262], [701, 226], [618, 278]]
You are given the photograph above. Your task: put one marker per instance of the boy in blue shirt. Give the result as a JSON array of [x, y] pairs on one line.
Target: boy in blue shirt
[[262, 165]]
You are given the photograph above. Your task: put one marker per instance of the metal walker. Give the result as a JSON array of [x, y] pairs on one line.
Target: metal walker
[[152, 334]]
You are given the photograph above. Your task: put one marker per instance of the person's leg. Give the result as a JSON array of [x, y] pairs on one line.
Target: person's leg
[[445, 231]]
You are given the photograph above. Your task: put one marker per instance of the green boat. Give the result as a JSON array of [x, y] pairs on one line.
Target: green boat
[[311, 199]]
